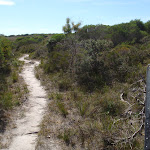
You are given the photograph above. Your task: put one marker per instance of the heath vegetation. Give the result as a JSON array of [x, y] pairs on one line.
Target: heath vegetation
[[95, 78], [100, 70]]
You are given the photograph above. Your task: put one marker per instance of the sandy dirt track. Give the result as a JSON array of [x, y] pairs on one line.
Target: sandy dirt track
[[27, 127]]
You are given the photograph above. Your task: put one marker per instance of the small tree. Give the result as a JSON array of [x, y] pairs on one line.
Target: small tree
[[69, 27], [75, 27]]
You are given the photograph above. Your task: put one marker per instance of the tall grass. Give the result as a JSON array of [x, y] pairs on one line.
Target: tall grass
[[6, 100], [62, 108]]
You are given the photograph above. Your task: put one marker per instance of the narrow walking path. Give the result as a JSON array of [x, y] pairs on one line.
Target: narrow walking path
[[25, 133]]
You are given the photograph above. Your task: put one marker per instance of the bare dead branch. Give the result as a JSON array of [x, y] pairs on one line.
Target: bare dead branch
[[127, 139], [121, 97]]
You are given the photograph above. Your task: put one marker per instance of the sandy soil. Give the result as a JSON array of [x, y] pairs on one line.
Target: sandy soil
[[27, 127]]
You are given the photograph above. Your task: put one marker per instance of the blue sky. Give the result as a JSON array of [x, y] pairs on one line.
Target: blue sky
[[48, 16]]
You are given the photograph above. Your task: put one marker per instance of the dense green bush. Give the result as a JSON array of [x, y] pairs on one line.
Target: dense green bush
[[5, 68], [53, 40], [57, 61], [93, 32], [6, 100], [94, 66], [64, 84], [97, 46], [29, 40], [126, 32], [62, 108], [112, 105], [23, 43], [5, 55], [147, 26], [98, 55], [139, 23]]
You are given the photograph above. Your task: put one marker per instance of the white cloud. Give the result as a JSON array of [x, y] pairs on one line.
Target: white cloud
[[6, 2]]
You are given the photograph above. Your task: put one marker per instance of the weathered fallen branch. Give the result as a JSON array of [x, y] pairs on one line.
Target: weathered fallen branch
[[129, 138], [141, 114], [128, 110], [121, 97], [139, 101], [36, 132]]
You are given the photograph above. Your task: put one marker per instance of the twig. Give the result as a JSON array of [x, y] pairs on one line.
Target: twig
[[32, 133], [134, 134], [121, 97]]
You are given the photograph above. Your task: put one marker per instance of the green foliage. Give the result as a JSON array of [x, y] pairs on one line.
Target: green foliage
[[16, 63], [83, 107], [98, 55], [54, 40], [62, 108], [64, 84], [100, 69], [28, 44], [68, 28], [112, 105], [145, 40], [57, 61], [8, 62], [93, 32], [147, 26], [130, 32], [65, 136], [5, 55], [14, 77], [126, 32], [75, 27], [59, 96], [5, 60], [6, 100], [101, 61], [57, 38], [30, 48], [28, 40], [94, 47], [139, 23]]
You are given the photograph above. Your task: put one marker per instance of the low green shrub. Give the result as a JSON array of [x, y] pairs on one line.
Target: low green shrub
[[62, 108], [21, 41], [54, 39], [14, 77], [59, 96], [65, 136], [16, 63], [6, 100], [83, 107], [64, 85], [111, 104], [58, 61]]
